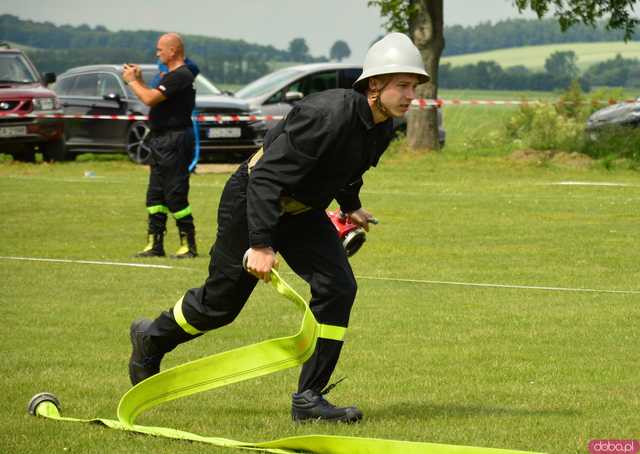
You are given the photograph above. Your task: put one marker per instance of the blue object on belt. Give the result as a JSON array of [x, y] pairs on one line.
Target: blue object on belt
[[196, 136]]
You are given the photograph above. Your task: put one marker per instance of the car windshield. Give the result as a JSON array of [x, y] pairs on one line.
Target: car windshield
[[268, 83], [203, 85], [14, 68]]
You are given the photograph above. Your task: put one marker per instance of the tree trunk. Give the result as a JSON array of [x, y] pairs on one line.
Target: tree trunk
[[426, 30]]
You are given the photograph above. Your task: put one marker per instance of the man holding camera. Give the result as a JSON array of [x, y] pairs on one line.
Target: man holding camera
[[172, 143]]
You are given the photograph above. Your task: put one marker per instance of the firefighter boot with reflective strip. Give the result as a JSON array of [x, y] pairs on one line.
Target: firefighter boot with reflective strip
[[145, 357], [312, 406], [155, 246], [187, 249]]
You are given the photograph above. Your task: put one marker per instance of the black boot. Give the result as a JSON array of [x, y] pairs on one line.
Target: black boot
[[187, 249], [310, 405], [145, 357], [155, 246]]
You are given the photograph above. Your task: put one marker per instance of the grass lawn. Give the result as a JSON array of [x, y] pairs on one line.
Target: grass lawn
[[504, 367]]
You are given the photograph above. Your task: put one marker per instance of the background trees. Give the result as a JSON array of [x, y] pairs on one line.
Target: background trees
[[618, 14], [423, 21], [57, 48], [298, 49], [339, 50]]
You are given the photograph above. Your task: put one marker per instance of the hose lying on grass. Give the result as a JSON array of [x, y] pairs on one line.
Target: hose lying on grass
[[238, 365]]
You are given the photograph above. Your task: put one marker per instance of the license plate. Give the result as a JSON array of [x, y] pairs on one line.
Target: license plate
[[219, 133], [13, 131]]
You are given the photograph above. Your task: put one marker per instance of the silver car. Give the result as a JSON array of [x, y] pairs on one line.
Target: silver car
[[622, 114], [275, 93]]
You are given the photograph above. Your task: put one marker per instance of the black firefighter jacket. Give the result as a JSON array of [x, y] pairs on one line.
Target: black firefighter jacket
[[318, 153]]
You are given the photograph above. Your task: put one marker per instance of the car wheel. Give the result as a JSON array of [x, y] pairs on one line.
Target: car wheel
[[137, 147], [56, 151]]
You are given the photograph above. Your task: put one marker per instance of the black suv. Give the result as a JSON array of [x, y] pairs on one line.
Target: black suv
[[24, 91], [99, 90]]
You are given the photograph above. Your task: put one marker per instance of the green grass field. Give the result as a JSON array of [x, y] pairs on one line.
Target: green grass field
[[495, 95], [533, 57], [504, 367]]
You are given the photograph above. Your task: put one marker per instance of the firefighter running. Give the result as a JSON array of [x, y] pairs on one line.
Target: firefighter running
[[276, 202]]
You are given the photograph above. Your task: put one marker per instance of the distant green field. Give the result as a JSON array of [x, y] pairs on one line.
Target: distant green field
[[276, 65], [503, 95], [533, 57], [495, 95], [229, 87], [20, 46]]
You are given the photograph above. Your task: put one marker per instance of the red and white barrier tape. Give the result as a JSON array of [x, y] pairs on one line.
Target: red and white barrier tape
[[416, 104], [201, 118]]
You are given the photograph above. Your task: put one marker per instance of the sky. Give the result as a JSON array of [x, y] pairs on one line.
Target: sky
[[268, 22]]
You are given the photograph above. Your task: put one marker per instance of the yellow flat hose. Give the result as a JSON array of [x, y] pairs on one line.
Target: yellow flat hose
[[236, 365]]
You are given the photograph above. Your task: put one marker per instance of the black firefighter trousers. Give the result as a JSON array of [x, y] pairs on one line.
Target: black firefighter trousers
[[309, 244], [168, 189]]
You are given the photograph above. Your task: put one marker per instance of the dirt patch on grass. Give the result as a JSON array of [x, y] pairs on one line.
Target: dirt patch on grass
[[573, 159], [560, 158], [530, 156]]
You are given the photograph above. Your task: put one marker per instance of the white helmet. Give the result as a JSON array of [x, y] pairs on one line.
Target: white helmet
[[395, 53]]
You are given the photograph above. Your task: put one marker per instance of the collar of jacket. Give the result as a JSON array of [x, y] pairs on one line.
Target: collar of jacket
[[364, 111]]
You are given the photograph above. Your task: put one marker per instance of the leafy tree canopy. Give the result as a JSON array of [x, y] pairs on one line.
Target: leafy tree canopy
[[339, 51], [298, 49], [618, 14]]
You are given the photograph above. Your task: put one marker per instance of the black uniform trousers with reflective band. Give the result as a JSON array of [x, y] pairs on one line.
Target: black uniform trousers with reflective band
[[309, 244], [168, 190]]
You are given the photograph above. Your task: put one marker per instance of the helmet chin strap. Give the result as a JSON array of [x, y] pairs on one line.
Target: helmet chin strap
[[382, 108], [377, 103]]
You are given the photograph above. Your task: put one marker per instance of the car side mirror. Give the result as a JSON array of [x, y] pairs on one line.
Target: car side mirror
[[48, 78], [112, 97], [293, 96]]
